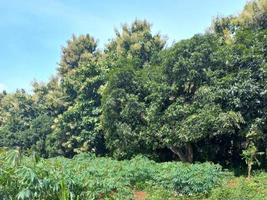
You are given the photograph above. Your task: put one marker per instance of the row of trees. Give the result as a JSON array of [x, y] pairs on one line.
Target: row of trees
[[204, 98]]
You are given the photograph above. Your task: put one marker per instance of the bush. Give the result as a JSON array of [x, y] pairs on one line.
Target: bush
[[197, 178]]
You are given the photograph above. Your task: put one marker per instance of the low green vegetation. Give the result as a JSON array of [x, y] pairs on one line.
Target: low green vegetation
[[254, 188], [88, 177]]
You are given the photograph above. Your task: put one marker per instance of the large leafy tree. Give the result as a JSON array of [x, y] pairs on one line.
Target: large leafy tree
[[133, 51], [182, 108], [17, 112], [243, 84], [123, 113], [77, 128], [26, 119], [240, 85], [49, 101]]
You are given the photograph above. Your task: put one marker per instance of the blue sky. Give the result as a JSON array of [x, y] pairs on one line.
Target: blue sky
[[32, 32]]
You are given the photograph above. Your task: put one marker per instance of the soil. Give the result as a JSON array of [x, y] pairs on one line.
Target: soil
[[139, 195]]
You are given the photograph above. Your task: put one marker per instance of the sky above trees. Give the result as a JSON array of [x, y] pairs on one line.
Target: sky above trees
[[33, 32]]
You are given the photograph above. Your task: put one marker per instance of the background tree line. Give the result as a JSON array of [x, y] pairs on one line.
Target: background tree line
[[203, 98]]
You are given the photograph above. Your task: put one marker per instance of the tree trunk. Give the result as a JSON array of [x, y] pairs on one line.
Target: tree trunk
[[185, 153], [179, 153], [189, 152], [249, 169]]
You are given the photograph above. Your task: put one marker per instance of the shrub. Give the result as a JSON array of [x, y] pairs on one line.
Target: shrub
[[197, 178]]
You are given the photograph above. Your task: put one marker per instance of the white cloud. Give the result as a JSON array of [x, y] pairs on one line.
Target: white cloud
[[2, 87]]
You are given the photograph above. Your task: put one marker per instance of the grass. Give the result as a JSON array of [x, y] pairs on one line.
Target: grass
[[243, 188]]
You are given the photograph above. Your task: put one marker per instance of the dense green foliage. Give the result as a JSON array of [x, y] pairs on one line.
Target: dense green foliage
[[200, 99], [88, 177]]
